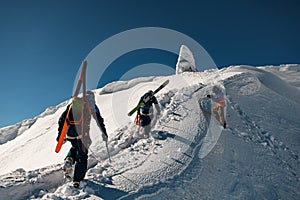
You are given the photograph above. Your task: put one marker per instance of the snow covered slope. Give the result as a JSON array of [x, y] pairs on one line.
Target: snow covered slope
[[189, 156]]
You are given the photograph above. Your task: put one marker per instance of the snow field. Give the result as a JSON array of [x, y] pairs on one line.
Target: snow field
[[189, 155]]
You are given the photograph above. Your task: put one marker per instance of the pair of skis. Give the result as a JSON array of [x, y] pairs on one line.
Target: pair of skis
[[81, 82]]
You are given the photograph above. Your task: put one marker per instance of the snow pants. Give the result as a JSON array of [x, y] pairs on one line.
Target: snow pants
[[146, 125], [80, 157]]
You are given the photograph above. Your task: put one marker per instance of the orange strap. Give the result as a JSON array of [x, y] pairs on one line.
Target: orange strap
[[222, 102], [137, 119]]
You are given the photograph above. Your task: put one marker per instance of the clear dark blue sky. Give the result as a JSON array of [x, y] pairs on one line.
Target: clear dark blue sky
[[43, 42]]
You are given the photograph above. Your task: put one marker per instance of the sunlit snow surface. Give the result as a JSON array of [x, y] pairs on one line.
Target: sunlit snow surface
[[189, 156]]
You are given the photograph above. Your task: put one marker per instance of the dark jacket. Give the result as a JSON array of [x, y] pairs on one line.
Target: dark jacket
[[75, 130], [147, 108]]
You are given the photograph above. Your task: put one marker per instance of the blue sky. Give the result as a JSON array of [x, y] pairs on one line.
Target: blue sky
[[42, 43]]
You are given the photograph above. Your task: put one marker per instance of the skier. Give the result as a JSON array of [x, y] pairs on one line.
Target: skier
[[218, 110], [78, 121], [145, 113]]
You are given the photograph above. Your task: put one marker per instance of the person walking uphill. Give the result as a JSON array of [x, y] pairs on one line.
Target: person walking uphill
[[78, 116], [218, 110], [145, 113]]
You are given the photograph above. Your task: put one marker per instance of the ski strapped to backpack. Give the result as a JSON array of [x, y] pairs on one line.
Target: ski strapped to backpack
[[81, 82], [77, 105], [148, 97]]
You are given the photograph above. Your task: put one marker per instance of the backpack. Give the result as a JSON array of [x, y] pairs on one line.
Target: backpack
[[148, 97], [75, 117], [76, 111]]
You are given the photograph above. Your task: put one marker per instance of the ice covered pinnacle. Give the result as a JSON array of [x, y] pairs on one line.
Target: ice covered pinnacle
[[186, 61]]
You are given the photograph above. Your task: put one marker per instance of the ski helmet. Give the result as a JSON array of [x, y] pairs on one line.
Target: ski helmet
[[215, 89]]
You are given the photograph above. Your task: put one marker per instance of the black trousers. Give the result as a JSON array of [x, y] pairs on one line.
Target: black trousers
[[80, 157]]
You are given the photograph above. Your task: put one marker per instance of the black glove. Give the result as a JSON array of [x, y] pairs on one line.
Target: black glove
[[59, 137], [209, 96]]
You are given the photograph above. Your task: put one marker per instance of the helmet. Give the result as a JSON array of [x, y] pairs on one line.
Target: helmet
[[215, 89]]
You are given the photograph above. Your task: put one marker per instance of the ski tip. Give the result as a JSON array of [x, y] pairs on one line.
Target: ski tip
[[130, 114], [165, 83]]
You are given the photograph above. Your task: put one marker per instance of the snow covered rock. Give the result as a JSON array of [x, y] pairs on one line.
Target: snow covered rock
[[186, 61]]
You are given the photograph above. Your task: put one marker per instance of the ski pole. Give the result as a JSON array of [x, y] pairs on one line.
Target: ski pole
[[108, 151]]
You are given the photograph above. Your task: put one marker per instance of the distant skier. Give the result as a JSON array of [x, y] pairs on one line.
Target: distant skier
[[218, 110], [78, 121], [145, 113]]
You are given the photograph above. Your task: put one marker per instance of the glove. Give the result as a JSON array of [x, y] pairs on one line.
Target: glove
[[209, 96], [104, 137]]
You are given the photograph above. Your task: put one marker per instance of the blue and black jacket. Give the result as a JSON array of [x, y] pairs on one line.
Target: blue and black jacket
[[74, 130]]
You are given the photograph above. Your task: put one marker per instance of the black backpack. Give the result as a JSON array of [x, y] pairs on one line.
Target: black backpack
[[147, 98]]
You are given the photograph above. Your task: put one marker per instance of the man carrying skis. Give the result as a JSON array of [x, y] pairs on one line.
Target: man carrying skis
[[78, 116], [218, 110], [145, 112]]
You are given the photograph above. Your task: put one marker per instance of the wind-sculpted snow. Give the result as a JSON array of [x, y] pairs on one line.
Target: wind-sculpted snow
[[272, 82], [11, 132], [123, 85], [189, 156], [289, 73], [24, 185]]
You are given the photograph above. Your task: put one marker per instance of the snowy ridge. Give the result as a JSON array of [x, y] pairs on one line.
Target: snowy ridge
[[289, 73], [123, 85], [11, 132], [256, 157]]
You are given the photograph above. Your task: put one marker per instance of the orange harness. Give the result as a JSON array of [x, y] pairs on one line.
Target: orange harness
[[74, 122], [222, 102]]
